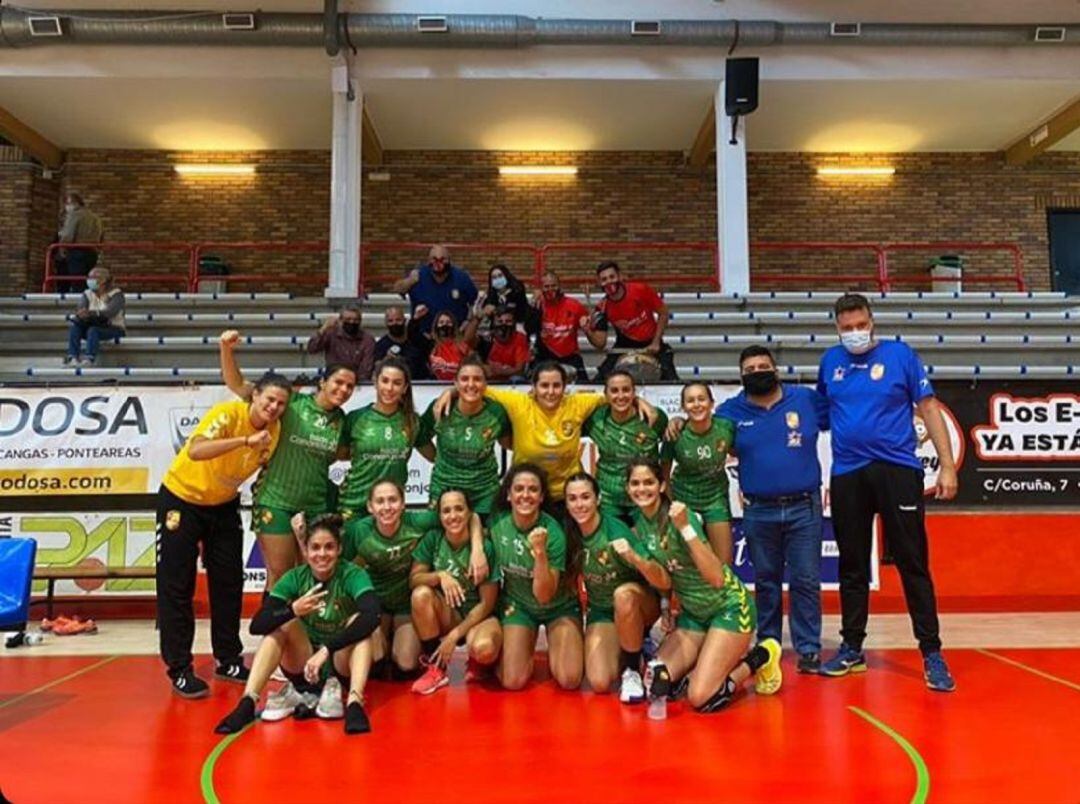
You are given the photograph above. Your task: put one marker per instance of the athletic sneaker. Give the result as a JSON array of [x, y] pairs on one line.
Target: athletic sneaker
[[238, 718], [679, 688], [282, 704], [809, 664], [847, 660], [233, 671], [356, 719], [330, 706], [769, 676], [631, 688], [936, 672], [434, 679], [188, 685]]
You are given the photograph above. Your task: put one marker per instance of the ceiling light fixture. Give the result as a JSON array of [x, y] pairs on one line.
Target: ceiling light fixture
[[538, 170], [195, 169], [856, 171]]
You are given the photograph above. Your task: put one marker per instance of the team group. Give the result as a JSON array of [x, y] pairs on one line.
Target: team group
[[357, 584]]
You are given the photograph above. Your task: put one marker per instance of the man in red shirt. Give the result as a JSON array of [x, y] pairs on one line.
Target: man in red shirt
[[506, 352], [560, 319], [639, 317]]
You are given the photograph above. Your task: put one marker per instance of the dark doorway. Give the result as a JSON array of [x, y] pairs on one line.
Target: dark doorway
[[1064, 227]]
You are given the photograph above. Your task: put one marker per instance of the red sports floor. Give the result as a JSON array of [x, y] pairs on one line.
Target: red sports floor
[[84, 729]]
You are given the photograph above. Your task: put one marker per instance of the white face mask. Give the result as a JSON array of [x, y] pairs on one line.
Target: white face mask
[[69, 207], [857, 341]]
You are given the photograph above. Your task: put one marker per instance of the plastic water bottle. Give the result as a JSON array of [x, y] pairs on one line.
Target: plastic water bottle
[[657, 698]]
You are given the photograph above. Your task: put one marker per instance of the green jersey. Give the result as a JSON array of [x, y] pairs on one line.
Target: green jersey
[[603, 569], [388, 559], [465, 446], [668, 547], [347, 583], [700, 479], [514, 563], [618, 444], [380, 447], [297, 478], [435, 552]]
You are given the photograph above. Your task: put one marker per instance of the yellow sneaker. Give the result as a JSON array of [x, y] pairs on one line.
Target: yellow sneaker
[[769, 676]]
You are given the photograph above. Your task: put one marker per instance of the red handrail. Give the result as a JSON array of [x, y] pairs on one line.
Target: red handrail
[[882, 275], [51, 277], [962, 245]]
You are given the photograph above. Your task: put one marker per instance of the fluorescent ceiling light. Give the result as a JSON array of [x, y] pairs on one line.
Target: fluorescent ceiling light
[[192, 169], [537, 170], [856, 171]]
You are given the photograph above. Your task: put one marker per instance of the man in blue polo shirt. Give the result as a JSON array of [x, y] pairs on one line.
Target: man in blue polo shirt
[[874, 389], [438, 286], [776, 435]]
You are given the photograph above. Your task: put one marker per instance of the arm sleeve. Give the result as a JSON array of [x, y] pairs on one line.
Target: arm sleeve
[[367, 358], [820, 387], [918, 383], [318, 342], [469, 291], [425, 549], [83, 303], [821, 409], [661, 423], [114, 306], [426, 434], [650, 298], [362, 625], [275, 612], [67, 231]]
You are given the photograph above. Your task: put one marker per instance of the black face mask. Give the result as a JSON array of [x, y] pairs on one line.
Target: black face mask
[[445, 331], [759, 383], [351, 328], [502, 331], [396, 330]]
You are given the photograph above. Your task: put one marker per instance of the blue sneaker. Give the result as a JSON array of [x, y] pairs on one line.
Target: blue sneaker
[[936, 673], [847, 660]]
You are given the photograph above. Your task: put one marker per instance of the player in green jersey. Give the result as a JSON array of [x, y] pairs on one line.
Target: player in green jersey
[[447, 603], [530, 556], [619, 434], [621, 606], [384, 543], [715, 626], [379, 438], [462, 443], [319, 616], [297, 478], [698, 447]]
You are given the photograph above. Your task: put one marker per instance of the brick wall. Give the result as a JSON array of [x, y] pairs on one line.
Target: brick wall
[[458, 196]]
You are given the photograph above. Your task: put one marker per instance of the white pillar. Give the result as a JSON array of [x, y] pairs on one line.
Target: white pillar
[[345, 175], [732, 228]]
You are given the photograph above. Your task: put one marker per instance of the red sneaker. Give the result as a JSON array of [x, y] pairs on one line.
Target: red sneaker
[[433, 679]]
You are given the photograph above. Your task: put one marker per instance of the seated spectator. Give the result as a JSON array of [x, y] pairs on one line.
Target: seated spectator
[[98, 316], [405, 340], [639, 317], [439, 286], [557, 322], [450, 346], [505, 291], [506, 352], [344, 343], [80, 226]]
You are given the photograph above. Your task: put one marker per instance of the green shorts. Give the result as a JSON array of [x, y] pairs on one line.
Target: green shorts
[[271, 521], [511, 613], [737, 615], [595, 615], [720, 512]]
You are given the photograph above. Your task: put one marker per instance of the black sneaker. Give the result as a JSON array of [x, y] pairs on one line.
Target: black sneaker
[[238, 718], [188, 685], [809, 664], [356, 719], [233, 671]]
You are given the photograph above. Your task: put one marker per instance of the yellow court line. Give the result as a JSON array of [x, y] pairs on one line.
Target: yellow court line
[[1023, 666], [68, 677]]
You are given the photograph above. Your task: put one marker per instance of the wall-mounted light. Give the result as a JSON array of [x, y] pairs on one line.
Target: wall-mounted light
[[196, 169], [537, 170], [856, 171]]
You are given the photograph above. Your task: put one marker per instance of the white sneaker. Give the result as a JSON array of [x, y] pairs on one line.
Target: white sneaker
[[631, 689], [330, 705], [282, 703]]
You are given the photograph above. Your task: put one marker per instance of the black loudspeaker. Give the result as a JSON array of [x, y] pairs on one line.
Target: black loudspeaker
[[740, 87]]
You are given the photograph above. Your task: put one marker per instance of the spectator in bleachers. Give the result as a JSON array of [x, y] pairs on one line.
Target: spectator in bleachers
[[439, 286], [639, 317], [99, 316], [506, 351], [404, 339], [505, 291], [344, 343], [450, 345], [558, 320], [80, 226]]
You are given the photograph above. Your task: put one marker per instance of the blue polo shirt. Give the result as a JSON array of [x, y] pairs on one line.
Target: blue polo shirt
[[778, 447], [456, 294], [871, 404]]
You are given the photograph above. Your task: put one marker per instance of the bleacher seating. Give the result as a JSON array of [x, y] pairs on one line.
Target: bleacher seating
[[173, 337]]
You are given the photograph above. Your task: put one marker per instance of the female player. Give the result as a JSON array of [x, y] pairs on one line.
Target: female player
[[699, 451], [447, 603], [384, 543], [379, 437], [298, 475], [462, 443], [322, 611], [530, 555], [450, 345], [620, 606], [713, 631], [199, 501], [620, 434]]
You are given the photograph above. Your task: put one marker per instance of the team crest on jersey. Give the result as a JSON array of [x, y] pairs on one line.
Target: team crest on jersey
[[603, 558], [567, 429], [641, 437], [838, 374], [792, 419], [172, 520], [794, 439], [509, 609], [266, 516], [877, 371], [487, 433]]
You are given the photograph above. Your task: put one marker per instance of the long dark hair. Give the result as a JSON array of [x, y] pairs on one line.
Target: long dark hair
[[653, 466], [502, 501], [575, 539], [408, 408]]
